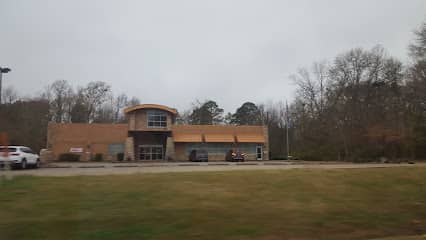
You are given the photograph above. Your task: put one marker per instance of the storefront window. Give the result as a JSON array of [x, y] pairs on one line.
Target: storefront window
[[222, 148], [154, 152], [157, 119]]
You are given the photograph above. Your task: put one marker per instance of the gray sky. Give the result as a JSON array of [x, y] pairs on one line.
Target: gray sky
[[173, 52]]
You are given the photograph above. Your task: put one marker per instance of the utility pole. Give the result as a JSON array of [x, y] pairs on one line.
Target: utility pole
[[2, 70], [286, 124]]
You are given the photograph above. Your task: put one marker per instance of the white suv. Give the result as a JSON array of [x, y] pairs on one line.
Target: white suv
[[18, 157]]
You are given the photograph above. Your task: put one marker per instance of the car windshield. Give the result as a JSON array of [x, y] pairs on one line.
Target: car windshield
[[9, 149]]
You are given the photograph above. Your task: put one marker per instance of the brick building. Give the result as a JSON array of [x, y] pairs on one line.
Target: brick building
[[152, 134]]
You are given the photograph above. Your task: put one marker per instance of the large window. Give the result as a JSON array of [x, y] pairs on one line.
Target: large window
[[115, 148], [222, 148], [150, 152], [157, 119]]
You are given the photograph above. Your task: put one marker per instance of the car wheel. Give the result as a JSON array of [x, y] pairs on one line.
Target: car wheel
[[37, 165], [23, 164]]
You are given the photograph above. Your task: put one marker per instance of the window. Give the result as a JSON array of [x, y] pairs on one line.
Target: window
[[259, 152], [222, 148], [115, 148], [157, 119], [154, 152], [27, 150]]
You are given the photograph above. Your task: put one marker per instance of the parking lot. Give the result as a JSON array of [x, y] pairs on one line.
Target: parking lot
[[90, 168]]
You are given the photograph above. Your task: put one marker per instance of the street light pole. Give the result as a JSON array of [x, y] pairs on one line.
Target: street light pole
[[286, 123], [2, 70]]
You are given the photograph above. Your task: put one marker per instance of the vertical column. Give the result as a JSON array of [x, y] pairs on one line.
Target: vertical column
[[50, 154], [266, 144], [129, 153], [170, 149]]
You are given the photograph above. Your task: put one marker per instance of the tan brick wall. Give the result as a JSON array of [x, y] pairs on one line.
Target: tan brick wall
[[141, 122], [266, 144], [93, 138], [170, 149], [131, 118], [129, 147], [138, 121], [217, 157], [180, 153]]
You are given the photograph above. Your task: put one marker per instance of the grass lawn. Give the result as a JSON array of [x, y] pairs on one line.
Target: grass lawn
[[272, 204]]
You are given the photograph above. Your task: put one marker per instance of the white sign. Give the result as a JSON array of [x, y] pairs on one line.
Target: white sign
[[76, 150]]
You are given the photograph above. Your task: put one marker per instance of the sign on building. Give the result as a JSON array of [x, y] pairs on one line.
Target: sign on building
[[76, 150]]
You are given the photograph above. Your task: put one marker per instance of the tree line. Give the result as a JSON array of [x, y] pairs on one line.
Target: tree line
[[362, 105], [25, 119]]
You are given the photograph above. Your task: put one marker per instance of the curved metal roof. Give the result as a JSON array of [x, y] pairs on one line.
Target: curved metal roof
[[150, 106]]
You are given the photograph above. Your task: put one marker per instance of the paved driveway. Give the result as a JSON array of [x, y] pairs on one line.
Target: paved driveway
[[78, 169]]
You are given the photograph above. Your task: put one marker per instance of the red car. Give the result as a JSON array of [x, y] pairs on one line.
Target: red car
[[238, 156]]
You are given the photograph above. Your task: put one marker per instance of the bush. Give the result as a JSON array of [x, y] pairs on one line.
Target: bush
[[98, 157], [69, 157], [120, 156]]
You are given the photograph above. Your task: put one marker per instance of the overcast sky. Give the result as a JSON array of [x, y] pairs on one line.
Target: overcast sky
[[173, 52]]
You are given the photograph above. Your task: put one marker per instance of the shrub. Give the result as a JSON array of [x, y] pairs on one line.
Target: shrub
[[98, 157], [69, 157], [120, 156]]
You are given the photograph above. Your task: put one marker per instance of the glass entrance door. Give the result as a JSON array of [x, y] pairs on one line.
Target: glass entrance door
[[259, 152], [150, 152]]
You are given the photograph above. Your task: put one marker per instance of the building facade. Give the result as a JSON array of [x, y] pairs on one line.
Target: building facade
[[151, 133]]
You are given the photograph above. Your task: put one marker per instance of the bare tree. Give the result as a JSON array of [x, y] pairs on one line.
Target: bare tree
[[78, 111], [95, 93], [59, 94], [119, 103], [416, 93], [9, 95], [133, 102], [337, 106], [184, 117], [311, 87], [273, 115], [418, 47]]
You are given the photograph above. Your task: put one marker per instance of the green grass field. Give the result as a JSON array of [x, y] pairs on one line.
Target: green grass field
[[277, 204]]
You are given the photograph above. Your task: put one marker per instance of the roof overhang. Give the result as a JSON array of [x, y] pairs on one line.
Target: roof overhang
[[219, 134], [246, 138], [219, 138], [150, 106], [187, 137]]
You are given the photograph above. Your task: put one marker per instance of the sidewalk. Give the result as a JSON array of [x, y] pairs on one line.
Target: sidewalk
[[183, 164], [80, 169]]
